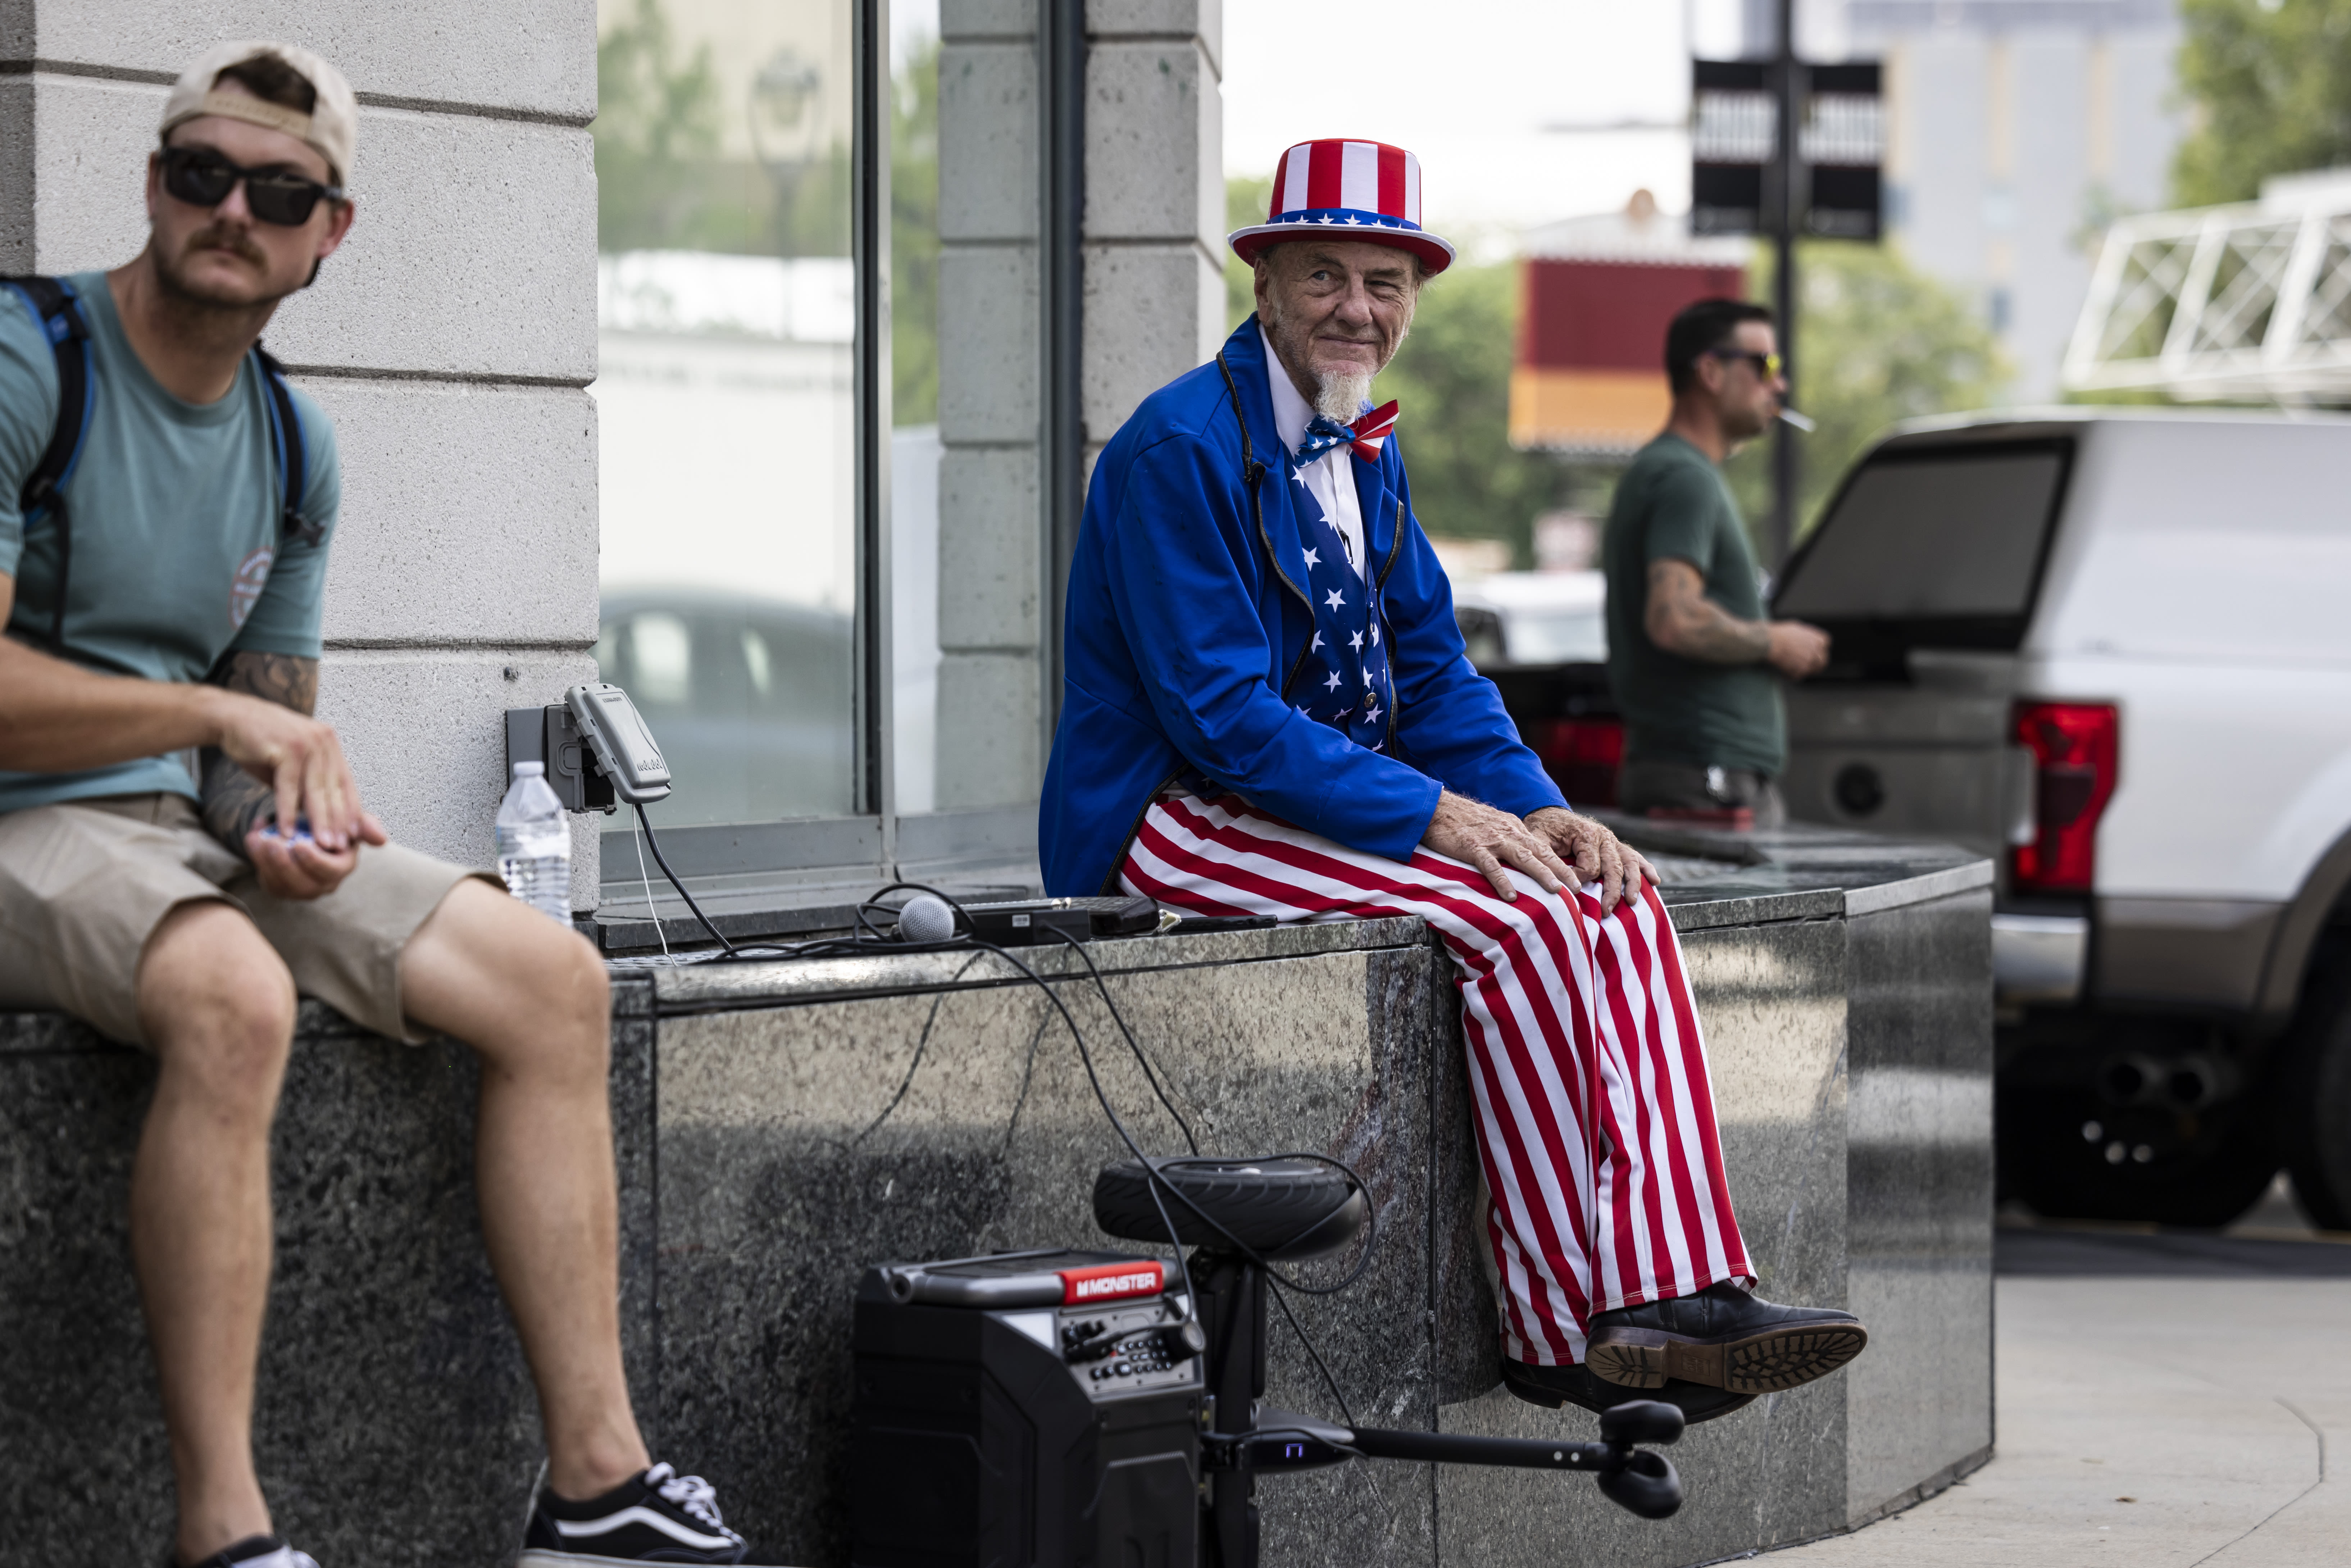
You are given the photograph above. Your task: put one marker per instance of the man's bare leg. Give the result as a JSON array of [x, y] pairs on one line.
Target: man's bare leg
[[217, 1007], [530, 997]]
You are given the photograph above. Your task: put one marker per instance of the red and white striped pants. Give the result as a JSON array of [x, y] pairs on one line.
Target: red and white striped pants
[[1595, 1120]]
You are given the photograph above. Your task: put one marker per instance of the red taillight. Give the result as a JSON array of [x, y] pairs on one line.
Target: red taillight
[[1583, 755], [2073, 745]]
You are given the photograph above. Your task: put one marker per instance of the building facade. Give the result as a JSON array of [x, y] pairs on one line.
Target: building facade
[[850, 300], [2016, 131]]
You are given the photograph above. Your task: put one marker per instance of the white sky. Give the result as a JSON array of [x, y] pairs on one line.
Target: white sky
[[1468, 86]]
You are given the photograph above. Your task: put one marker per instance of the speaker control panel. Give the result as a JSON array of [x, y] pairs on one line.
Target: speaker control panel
[[1124, 1349]]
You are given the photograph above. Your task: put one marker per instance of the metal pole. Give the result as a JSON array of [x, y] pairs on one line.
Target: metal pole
[[1788, 77], [876, 783], [1061, 188]]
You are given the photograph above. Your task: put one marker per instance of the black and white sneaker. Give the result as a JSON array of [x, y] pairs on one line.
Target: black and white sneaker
[[253, 1551], [659, 1517]]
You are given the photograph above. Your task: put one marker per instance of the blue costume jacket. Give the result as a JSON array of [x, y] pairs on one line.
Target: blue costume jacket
[[1187, 626]]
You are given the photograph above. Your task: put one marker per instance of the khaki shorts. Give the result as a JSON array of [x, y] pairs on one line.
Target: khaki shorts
[[83, 884]]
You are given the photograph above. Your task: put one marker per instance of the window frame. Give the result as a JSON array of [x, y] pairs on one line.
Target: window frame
[[806, 872]]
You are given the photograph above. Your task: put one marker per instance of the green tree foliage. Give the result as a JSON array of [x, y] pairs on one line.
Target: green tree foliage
[[662, 180], [915, 239], [1453, 377], [656, 120], [2269, 84], [1877, 341], [1880, 342]]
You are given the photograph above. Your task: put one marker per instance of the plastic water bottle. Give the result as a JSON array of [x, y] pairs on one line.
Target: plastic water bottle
[[535, 843]]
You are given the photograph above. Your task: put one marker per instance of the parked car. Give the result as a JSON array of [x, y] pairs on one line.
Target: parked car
[[2110, 648], [1542, 637], [750, 699]]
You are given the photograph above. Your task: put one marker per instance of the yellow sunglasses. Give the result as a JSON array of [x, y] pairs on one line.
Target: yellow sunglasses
[[1766, 365]]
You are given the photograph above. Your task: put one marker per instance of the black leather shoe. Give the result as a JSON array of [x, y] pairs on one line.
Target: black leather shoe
[[1553, 1386], [1724, 1338]]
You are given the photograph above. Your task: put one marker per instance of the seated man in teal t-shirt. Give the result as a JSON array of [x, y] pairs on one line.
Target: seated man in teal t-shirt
[[166, 608]]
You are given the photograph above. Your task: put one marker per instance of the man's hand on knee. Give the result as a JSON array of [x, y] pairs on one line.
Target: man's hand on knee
[[1597, 854], [1496, 842]]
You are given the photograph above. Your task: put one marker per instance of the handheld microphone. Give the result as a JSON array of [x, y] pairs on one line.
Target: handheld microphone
[[926, 918]]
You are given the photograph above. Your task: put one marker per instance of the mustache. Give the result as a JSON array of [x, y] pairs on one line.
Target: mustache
[[230, 238]]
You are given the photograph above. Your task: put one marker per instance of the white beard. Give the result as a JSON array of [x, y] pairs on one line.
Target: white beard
[[1341, 394]]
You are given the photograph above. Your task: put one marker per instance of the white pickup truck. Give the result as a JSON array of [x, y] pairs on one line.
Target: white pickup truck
[[2113, 649]]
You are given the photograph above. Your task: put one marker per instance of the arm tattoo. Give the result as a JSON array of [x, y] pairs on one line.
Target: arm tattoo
[[235, 801], [1701, 628]]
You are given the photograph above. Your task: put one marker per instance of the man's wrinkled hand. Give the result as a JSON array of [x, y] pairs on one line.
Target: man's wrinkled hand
[[301, 759], [1495, 843], [1597, 854]]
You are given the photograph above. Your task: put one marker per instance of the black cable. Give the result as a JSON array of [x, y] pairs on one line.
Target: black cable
[[662, 860], [1311, 1354], [1155, 1180], [922, 1043], [1152, 1184], [867, 936], [1140, 1060]]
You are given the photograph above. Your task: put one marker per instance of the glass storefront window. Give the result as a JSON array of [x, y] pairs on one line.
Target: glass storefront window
[[726, 397]]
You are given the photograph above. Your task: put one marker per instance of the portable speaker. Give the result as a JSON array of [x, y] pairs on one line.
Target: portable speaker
[[1026, 1408]]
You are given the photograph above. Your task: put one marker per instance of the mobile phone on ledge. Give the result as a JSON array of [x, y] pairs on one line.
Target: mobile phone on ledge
[[625, 747]]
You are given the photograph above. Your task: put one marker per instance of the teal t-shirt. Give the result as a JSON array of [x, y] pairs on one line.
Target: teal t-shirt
[[177, 553], [1672, 504]]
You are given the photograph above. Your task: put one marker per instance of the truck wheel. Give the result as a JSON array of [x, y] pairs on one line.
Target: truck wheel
[[2317, 1083], [2072, 1158]]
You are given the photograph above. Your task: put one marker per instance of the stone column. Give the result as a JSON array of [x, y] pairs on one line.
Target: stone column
[[989, 525], [1155, 288], [1154, 297], [450, 340]]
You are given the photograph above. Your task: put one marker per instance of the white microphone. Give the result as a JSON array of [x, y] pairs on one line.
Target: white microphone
[[926, 918]]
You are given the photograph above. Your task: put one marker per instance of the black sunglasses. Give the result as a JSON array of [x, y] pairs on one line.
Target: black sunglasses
[[202, 178]]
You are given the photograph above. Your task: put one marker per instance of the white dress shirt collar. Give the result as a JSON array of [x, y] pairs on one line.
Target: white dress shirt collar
[[1331, 477], [1291, 413]]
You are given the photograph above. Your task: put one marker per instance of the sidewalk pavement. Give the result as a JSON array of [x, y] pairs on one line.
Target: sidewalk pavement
[[2162, 1400]]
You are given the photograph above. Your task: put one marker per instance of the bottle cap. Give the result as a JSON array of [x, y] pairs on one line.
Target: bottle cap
[[530, 769]]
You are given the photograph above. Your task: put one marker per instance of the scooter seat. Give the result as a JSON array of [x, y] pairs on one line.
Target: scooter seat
[[1280, 1209]]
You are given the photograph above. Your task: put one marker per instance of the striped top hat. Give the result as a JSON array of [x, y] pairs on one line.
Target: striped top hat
[[1348, 190]]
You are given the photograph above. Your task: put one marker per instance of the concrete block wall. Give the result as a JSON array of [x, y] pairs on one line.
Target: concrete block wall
[[1153, 300], [1154, 227], [451, 341]]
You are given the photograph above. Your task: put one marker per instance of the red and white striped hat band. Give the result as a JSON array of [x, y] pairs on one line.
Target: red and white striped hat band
[[1364, 191]]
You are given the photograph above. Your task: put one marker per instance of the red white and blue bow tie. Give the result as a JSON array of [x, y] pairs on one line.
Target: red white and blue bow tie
[[1365, 434]]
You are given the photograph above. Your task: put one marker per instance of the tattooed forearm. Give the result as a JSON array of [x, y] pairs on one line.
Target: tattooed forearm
[[1681, 619], [235, 802], [279, 678]]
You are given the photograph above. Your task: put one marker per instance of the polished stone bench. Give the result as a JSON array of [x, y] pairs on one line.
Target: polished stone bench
[[782, 1125]]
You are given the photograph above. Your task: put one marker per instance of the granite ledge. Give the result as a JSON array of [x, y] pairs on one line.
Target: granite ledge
[[780, 982]]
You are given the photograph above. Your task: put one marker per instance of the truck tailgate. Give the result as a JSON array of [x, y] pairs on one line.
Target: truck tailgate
[[1923, 761]]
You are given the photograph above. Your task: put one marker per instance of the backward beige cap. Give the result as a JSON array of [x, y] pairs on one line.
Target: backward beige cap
[[332, 126]]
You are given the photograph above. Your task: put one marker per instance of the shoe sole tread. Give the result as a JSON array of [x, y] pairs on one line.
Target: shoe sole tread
[[1769, 1362]]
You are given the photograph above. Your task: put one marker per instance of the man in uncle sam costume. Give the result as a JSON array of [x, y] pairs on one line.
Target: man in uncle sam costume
[[1269, 711]]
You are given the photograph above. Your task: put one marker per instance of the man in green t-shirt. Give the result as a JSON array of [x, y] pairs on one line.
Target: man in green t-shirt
[[1695, 664], [166, 606]]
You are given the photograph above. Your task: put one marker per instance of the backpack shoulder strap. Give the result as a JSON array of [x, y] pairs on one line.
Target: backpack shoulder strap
[[293, 457], [57, 308]]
